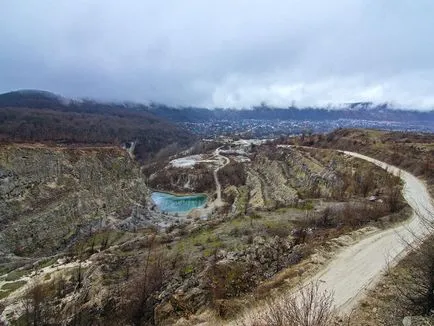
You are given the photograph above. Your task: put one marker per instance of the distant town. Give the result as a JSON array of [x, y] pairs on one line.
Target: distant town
[[257, 128]]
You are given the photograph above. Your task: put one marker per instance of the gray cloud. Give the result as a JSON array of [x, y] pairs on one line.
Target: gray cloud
[[222, 53]]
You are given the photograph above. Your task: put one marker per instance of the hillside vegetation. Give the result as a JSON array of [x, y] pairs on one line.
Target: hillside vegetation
[[82, 245], [405, 293], [286, 207], [34, 116], [413, 152]]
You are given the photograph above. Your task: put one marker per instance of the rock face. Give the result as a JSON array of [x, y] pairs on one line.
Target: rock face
[[51, 195], [276, 179], [196, 179], [269, 176]]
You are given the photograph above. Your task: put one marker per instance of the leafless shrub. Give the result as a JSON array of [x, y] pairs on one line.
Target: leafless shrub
[[326, 219], [416, 284], [304, 229], [139, 299], [393, 199], [229, 280], [278, 230], [38, 310], [355, 215], [308, 307]]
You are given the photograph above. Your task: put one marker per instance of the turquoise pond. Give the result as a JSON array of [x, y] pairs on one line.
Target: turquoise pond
[[178, 204]]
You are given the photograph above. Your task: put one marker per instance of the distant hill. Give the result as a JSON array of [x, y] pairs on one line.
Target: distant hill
[[39, 116], [30, 98], [32, 115], [360, 111]]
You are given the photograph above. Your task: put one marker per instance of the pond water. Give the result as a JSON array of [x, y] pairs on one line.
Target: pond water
[[178, 204]]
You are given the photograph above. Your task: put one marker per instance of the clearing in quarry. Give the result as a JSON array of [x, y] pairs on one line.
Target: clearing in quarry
[[195, 204]]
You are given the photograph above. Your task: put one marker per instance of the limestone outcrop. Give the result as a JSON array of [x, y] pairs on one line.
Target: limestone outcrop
[[51, 195]]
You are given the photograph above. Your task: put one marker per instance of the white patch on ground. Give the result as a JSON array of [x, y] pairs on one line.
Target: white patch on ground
[[52, 185], [240, 159], [186, 162], [14, 307], [242, 151], [247, 142]]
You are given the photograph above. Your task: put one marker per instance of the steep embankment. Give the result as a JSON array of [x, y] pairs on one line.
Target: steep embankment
[[49, 196], [284, 176]]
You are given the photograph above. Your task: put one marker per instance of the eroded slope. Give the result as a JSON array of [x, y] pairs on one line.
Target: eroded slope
[[49, 196]]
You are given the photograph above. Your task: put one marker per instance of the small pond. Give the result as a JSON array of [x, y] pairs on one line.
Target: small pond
[[178, 204]]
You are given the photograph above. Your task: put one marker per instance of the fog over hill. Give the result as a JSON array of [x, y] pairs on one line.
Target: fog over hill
[[36, 99], [222, 53], [191, 162], [40, 116]]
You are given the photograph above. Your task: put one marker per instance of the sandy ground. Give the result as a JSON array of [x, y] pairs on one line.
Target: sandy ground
[[221, 161], [186, 162], [358, 267]]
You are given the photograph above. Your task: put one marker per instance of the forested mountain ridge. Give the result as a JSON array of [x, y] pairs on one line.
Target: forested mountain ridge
[[357, 110], [32, 115], [37, 116]]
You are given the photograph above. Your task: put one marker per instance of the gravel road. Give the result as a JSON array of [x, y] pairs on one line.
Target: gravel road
[[359, 266]]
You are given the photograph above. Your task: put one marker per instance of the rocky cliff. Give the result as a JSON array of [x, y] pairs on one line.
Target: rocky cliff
[[49, 196]]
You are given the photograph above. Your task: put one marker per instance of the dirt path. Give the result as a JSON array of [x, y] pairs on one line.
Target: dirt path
[[223, 162], [358, 267]]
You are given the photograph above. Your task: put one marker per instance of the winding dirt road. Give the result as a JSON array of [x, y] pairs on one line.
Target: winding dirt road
[[218, 201], [359, 266]]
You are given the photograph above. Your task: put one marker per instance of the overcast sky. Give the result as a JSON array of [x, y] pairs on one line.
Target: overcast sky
[[225, 53]]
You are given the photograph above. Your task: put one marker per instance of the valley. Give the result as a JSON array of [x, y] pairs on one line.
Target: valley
[[153, 230], [274, 216], [216, 163]]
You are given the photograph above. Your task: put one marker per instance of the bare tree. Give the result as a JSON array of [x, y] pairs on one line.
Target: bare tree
[[36, 305], [308, 307], [416, 285], [139, 298]]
